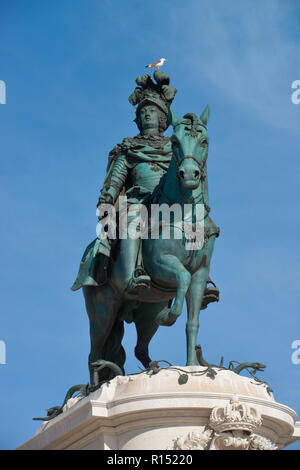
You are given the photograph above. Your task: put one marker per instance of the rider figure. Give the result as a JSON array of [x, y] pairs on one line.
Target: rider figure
[[136, 165]]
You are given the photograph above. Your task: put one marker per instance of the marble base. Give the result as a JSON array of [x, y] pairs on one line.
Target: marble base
[[156, 412]]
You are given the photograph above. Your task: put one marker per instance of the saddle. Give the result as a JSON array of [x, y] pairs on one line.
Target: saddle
[[211, 293], [101, 270]]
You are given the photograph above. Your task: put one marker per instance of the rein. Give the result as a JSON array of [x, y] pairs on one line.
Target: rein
[[200, 164], [202, 178]]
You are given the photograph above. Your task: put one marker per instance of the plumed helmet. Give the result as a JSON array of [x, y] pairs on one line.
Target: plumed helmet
[[147, 92]]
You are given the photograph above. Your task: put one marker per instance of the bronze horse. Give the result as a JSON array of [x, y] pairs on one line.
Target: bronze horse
[[177, 272]]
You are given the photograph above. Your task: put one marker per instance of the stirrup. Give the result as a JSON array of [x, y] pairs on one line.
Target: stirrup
[[140, 279]]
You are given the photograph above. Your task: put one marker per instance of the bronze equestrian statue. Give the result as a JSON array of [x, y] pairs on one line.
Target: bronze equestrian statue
[[136, 278]]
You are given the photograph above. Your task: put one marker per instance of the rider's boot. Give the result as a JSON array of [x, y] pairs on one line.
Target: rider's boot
[[135, 277]]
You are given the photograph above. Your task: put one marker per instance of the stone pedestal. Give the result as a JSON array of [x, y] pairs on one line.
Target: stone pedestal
[[175, 409]]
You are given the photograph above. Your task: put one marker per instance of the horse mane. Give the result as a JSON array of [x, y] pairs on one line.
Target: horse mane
[[193, 123], [192, 117]]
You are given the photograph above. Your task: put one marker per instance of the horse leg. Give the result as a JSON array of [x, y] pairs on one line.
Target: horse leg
[[146, 327], [194, 299], [102, 306], [171, 268], [113, 350]]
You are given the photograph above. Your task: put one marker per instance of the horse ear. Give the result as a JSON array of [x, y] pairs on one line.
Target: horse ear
[[205, 115], [172, 118]]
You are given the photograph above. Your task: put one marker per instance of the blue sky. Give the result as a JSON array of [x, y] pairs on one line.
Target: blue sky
[[69, 68]]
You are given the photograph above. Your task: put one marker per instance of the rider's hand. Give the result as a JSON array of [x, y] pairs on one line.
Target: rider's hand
[[105, 198], [109, 199], [111, 195]]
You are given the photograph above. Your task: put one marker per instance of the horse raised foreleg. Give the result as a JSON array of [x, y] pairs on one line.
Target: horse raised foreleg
[[172, 269]]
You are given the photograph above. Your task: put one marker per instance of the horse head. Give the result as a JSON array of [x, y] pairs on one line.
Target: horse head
[[190, 147]]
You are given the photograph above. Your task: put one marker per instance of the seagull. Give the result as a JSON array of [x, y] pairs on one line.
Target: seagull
[[156, 64]]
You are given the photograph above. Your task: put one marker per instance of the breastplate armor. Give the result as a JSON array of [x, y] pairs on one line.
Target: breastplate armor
[[146, 175]]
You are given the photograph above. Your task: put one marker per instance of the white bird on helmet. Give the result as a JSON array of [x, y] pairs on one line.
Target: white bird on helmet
[[157, 64]]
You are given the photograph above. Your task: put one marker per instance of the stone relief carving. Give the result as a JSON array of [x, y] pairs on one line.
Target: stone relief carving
[[192, 441], [230, 440], [261, 443], [240, 440], [235, 415], [231, 427]]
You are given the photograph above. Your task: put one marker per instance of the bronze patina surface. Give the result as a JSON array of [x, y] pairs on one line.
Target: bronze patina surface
[[137, 280]]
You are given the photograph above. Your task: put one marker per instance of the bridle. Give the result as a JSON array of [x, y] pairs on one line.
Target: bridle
[[202, 177], [200, 164]]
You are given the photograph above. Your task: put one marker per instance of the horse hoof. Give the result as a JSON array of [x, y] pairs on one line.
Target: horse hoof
[[171, 319], [166, 319], [162, 317]]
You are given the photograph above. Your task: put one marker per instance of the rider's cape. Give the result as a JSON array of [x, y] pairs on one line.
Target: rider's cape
[[136, 152]]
